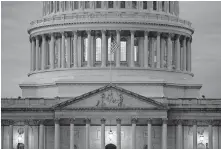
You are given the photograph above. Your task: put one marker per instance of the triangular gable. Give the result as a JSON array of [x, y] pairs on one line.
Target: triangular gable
[[110, 96]]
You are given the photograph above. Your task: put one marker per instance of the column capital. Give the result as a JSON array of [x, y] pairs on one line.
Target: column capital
[[118, 31], [178, 122], [146, 32], [74, 32], [132, 32], [177, 36], [37, 37], [56, 120], [103, 120], [43, 36], [171, 35], [149, 121], [164, 120], [134, 120], [7, 122], [62, 33], [158, 33], [118, 120], [194, 122], [87, 120], [27, 122], [88, 32], [103, 31], [72, 120]]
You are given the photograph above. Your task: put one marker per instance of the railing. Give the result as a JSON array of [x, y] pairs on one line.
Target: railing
[[108, 16]]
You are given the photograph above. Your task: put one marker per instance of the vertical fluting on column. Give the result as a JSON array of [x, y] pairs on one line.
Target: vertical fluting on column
[[146, 60], [79, 51], [103, 49], [41, 134], [177, 52], [62, 49], [162, 52], [43, 52], [152, 52], [118, 133], [179, 134], [149, 131], [10, 133], [103, 133], [133, 121], [118, 50], [37, 53], [33, 54], [75, 49], [89, 48], [26, 136], [164, 134], [52, 49], [210, 135], [72, 120], [189, 54], [87, 139], [132, 48], [56, 134], [194, 134], [169, 50], [184, 54], [68, 51], [158, 49]]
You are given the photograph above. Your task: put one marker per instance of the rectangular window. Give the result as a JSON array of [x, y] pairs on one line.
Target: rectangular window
[[85, 50], [98, 4], [163, 6], [122, 4], [144, 4], [76, 5], [123, 48], [134, 4], [154, 5], [86, 4], [110, 4]]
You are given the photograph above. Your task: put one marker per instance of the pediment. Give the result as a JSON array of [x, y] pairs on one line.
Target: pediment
[[110, 97]]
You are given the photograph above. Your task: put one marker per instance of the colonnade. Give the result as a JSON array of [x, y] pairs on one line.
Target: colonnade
[[179, 134], [153, 50]]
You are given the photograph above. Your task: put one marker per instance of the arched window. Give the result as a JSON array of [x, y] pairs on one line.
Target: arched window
[[123, 48], [154, 5], [98, 49], [110, 4], [122, 4], [144, 4], [75, 4], [87, 4], [98, 4], [163, 6], [134, 4], [85, 50]]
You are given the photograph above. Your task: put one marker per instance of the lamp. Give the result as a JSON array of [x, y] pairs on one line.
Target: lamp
[[110, 132]]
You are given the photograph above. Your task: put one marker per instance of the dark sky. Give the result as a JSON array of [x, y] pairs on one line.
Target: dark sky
[[206, 45]]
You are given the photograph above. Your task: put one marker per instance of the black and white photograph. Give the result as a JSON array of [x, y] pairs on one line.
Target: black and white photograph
[[110, 74]]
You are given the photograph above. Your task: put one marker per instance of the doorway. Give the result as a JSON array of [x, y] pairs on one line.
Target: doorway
[[110, 146]]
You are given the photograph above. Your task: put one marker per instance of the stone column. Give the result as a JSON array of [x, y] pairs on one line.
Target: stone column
[[89, 49], [164, 134], [103, 133], [10, 133], [188, 54], [56, 134], [178, 52], [43, 52], [52, 53], [152, 52], [210, 135], [59, 52], [141, 51], [179, 134], [103, 49], [68, 51], [132, 49], [149, 131], [194, 134], [118, 133], [26, 136], [72, 133], [37, 53], [87, 139], [33, 54], [184, 54], [169, 50], [118, 50], [41, 135], [162, 51], [75, 49], [146, 49], [133, 121], [158, 49], [62, 50]]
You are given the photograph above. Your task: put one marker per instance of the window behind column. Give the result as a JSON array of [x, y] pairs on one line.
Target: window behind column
[[98, 49], [98, 4], [122, 4], [135, 50], [85, 41], [123, 51], [144, 4], [154, 5], [76, 4], [163, 6], [58, 6], [169, 7], [134, 4], [110, 4], [87, 4]]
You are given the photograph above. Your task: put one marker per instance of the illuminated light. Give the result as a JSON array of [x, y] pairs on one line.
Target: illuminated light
[[201, 138]]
